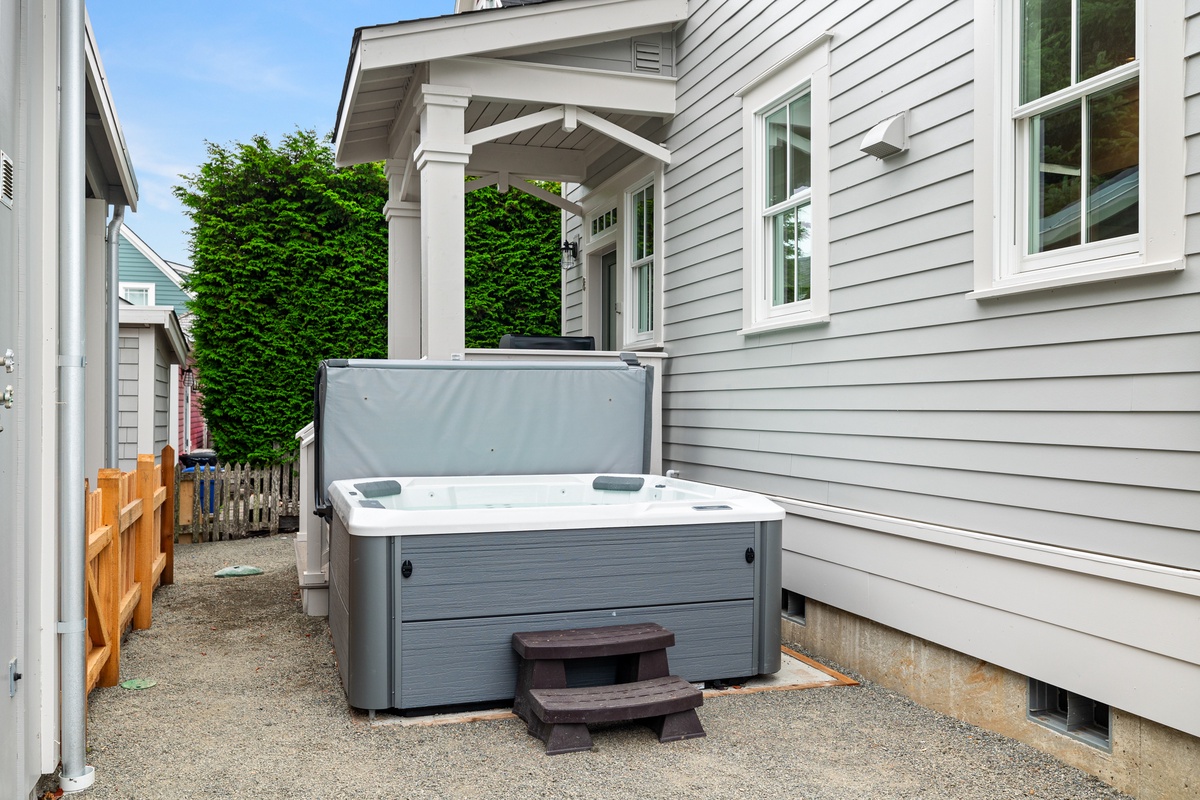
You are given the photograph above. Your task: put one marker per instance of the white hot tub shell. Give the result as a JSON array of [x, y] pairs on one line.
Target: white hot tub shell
[[431, 576]]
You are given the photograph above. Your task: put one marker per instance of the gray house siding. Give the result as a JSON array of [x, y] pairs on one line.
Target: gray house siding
[[127, 403], [951, 465], [162, 401]]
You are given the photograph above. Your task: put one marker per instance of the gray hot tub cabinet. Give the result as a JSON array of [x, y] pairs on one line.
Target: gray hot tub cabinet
[[442, 635]]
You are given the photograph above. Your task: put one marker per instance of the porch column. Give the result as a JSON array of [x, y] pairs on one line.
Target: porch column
[[404, 267], [442, 157]]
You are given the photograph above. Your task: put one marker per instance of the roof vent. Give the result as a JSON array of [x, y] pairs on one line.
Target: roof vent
[[8, 178], [647, 57]]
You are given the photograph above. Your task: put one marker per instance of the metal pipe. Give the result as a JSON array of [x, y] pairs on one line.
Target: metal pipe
[[72, 554], [112, 322]]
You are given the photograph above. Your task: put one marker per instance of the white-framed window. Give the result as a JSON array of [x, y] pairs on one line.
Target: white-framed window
[[140, 294], [641, 243], [622, 258], [785, 144], [1082, 179]]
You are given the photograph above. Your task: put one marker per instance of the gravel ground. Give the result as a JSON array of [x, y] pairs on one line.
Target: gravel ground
[[248, 703]]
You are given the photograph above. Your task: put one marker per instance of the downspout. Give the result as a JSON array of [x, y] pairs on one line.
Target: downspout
[[72, 554], [112, 329]]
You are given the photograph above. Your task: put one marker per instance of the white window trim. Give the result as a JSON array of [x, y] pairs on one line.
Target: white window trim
[[1001, 267], [807, 67], [617, 192], [123, 285]]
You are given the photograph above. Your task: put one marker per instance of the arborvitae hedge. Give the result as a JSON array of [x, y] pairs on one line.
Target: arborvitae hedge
[[513, 265], [290, 267]]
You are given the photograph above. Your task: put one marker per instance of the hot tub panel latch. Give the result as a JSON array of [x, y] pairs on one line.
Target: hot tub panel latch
[[406, 569], [749, 555]]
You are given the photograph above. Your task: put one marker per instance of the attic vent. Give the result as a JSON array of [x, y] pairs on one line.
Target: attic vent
[[647, 57], [8, 177]]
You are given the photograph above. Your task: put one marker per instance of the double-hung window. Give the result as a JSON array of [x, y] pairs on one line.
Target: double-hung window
[[785, 145], [1085, 169], [641, 263]]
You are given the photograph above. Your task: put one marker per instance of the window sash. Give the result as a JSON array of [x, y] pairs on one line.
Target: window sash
[[787, 218], [1050, 232]]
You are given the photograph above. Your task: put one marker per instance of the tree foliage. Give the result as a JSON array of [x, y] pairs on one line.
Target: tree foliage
[[513, 268], [290, 267]]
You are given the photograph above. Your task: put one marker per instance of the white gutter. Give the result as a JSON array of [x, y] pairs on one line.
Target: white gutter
[[112, 330], [72, 554]]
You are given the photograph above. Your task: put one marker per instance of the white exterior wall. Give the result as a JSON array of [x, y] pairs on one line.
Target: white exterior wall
[[1000, 477]]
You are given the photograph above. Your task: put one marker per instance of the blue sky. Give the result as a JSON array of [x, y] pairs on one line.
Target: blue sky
[[185, 73]]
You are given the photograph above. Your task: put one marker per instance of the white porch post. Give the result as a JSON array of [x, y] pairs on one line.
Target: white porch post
[[404, 267], [442, 157]]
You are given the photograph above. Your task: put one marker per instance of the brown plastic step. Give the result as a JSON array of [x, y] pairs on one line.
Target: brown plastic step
[[609, 640]]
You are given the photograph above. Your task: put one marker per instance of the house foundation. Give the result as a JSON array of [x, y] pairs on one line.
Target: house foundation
[[1147, 760]]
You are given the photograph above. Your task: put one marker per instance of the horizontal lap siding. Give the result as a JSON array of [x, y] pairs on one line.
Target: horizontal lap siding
[[1067, 417]]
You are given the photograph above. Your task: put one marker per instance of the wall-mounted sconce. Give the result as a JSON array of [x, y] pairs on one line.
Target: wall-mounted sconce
[[887, 138], [570, 253]]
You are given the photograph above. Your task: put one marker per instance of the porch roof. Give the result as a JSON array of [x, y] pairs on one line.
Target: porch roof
[[480, 51]]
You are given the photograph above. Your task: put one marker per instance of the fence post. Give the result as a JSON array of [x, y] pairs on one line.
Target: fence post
[[167, 517], [270, 501], [109, 572], [146, 544]]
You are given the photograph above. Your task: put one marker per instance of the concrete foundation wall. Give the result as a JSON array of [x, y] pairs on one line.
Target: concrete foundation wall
[[1148, 760]]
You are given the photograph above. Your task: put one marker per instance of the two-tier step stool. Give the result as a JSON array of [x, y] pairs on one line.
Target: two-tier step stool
[[644, 690]]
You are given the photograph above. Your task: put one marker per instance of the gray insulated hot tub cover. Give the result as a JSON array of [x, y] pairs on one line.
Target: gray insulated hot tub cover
[[386, 418]]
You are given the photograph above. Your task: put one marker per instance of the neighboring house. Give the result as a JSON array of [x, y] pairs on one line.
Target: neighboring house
[[153, 349], [63, 161], [980, 414], [146, 279]]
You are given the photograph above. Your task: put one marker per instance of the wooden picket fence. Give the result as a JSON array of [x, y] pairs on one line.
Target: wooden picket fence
[[130, 551], [231, 501]]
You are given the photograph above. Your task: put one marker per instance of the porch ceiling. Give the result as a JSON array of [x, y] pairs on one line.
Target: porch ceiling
[[378, 105]]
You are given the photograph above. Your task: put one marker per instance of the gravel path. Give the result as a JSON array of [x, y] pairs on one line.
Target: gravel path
[[248, 704]]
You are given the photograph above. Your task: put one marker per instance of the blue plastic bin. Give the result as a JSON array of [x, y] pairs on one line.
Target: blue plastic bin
[[208, 499]]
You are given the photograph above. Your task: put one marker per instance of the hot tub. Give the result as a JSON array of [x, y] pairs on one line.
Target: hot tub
[[430, 577]]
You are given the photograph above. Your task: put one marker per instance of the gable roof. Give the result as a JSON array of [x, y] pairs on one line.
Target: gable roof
[[140, 264], [384, 59]]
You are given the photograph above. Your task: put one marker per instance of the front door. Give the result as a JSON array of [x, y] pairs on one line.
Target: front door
[[610, 300], [11, 550]]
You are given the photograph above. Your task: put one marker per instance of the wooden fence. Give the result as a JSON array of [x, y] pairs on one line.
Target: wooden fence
[[130, 551], [231, 501]]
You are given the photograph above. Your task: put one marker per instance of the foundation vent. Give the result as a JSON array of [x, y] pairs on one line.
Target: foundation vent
[[1072, 714], [647, 57], [8, 179]]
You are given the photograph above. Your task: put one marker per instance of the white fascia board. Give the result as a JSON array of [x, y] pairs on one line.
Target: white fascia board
[[349, 98], [566, 23], [153, 257], [492, 79], [108, 114]]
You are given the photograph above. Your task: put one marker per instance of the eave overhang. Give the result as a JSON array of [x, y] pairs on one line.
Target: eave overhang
[[163, 317], [110, 174]]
